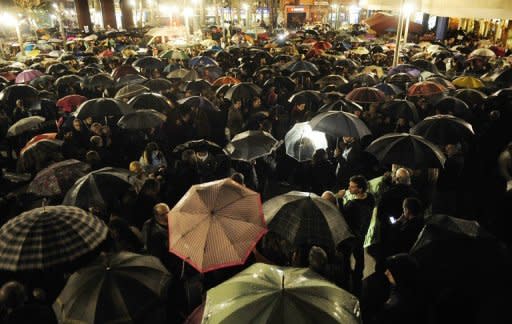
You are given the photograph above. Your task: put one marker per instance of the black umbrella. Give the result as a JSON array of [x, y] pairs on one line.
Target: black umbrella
[[426, 66], [100, 108], [501, 77], [281, 83], [159, 85], [130, 79], [339, 123], [471, 97], [301, 66], [43, 82], [412, 151], [46, 237], [198, 101], [149, 63], [312, 99], [150, 100], [365, 79], [401, 79], [68, 80], [342, 105], [142, 119], [102, 80], [242, 91], [400, 108], [57, 69], [443, 129], [199, 146], [304, 219], [198, 86], [452, 105], [38, 155], [89, 71], [333, 79], [181, 73], [12, 93], [346, 63], [130, 91], [24, 125], [101, 188], [116, 288], [250, 145]]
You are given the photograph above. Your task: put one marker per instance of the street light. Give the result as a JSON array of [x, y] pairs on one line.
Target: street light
[[334, 12], [408, 10], [187, 13], [10, 20]]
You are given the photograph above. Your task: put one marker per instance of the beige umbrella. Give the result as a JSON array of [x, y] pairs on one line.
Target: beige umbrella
[[216, 225]]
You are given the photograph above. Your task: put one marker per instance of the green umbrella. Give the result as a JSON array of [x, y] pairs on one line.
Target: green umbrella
[[117, 288], [270, 294]]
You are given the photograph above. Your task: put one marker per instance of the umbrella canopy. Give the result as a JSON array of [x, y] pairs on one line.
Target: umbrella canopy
[[400, 108], [149, 63], [130, 79], [301, 66], [69, 103], [301, 142], [250, 145], [425, 89], [333, 79], [242, 91], [28, 94], [89, 71], [339, 123], [281, 83], [197, 146], [383, 22], [58, 178], [100, 188], [129, 91], [311, 98], [366, 95], [342, 105], [39, 154], [101, 80], [443, 129], [201, 60], [216, 225], [179, 73], [200, 102], [27, 76], [401, 79], [389, 89], [270, 294], [305, 219], [142, 119], [442, 81], [158, 85], [482, 52], [468, 82], [49, 236], [412, 151], [123, 70], [150, 100], [198, 86], [24, 125], [57, 69], [364, 79], [116, 288], [322, 45], [100, 108], [410, 69], [68, 80], [452, 105], [225, 80], [471, 97]]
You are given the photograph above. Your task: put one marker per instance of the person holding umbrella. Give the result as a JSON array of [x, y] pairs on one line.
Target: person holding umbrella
[[235, 119]]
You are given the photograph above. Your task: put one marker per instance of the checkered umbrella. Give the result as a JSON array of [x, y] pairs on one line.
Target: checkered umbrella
[[48, 236], [303, 218], [216, 225]]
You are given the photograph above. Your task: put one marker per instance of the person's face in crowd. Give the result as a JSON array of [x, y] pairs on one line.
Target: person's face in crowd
[[77, 125], [19, 103], [348, 139], [88, 121], [257, 103], [402, 121], [450, 149], [237, 104], [202, 156], [301, 106], [353, 188], [390, 277]]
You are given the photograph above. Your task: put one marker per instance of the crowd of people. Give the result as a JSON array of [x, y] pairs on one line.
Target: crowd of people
[[203, 97]]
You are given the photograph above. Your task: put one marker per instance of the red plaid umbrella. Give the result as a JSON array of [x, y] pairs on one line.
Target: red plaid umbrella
[[216, 225], [366, 95], [425, 88], [71, 102], [27, 76]]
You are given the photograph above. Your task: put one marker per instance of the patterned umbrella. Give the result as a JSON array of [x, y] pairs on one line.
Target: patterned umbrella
[[27, 76], [49, 236], [24, 125], [142, 119], [302, 142], [116, 288], [443, 129], [100, 188], [339, 123], [366, 95], [270, 294], [412, 151], [425, 89], [304, 219], [250, 145], [216, 225], [38, 155], [58, 178]]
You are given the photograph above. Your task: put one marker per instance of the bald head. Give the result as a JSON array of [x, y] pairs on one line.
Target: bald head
[[160, 212], [403, 176]]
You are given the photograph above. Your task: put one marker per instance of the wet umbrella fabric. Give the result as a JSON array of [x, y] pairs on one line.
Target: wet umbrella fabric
[[49, 236], [142, 119], [24, 125], [339, 123], [102, 80], [123, 70], [301, 142], [27, 76], [37, 155], [444, 129], [425, 89], [99, 188], [130, 79], [216, 225], [70, 103], [58, 178], [28, 94], [366, 95], [242, 91], [400, 108], [116, 288], [281, 82], [305, 219], [129, 91], [412, 151], [100, 108], [301, 66], [68, 80], [250, 145], [158, 85], [471, 97], [199, 145], [271, 294], [149, 63], [200, 102], [150, 100]]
